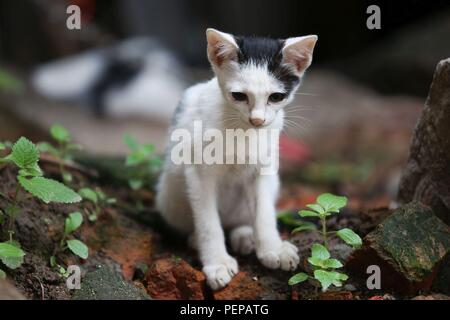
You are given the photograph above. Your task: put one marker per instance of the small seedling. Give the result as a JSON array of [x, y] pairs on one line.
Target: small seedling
[[142, 157], [64, 150], [72, 223], [323, 266], [25, 156], [98, 198]]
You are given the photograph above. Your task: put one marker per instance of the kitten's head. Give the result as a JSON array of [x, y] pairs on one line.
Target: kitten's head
[[258, 76]]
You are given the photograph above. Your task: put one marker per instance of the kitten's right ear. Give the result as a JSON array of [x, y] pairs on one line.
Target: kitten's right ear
[[222, 47]]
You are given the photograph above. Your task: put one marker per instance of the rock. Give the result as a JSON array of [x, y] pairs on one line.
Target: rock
[[241, 287], [172, 278], [408, 246], [103, 284], [442, 281], [436, 296], [336, 295], [426, 177], [376, 298], [9, 292]]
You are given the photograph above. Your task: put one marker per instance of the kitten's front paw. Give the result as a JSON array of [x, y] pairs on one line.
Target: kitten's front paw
[[219, 275], [284, 257]]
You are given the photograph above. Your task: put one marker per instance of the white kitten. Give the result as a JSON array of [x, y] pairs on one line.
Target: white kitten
[[255, 79]]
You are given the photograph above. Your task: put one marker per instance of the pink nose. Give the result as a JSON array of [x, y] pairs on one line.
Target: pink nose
[[256, 121]]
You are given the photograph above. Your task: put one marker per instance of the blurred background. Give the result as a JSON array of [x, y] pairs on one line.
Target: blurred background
[[125, 69]]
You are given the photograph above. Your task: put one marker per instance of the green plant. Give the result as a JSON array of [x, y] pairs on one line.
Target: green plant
[[142, 157], [99, 200], [25, 156], [77, 247], [64, 150], [322, 264]]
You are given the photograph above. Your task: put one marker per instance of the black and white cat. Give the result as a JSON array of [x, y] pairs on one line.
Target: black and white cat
[[255, 78]]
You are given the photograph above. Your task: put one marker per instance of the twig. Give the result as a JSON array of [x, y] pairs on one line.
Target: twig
[[42, 288]]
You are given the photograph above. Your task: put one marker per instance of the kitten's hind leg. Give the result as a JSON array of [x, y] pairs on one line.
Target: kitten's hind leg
[[242, 240]]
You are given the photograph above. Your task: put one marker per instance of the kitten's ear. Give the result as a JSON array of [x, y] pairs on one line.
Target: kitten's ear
[[297, 52], [222, 47]]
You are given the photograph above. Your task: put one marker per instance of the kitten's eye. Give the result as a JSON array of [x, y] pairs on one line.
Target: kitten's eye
[[277, 97], [239, 96]]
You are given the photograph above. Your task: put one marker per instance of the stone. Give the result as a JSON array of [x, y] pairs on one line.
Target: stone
[[104, 284], [172, 278], [241, 287], [426, 176], [409, 247]]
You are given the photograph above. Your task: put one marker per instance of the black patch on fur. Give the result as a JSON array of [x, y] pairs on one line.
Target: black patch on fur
[[265, 50]]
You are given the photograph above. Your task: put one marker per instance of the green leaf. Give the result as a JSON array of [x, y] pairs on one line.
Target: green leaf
[[316, 261], [148, 149], [350, 237], [12, 262], [32, 171], [78, 248], [2, 146], [2, 274], [319, 251], [316, 207], [8, 250], [49, 190], [11, 255], [130, 142], [47, 147], [288, 219], [299, 277], [59, 133], [134, 159], [331, 203], [88, 194], [308, 213], [92, 217], [305, 226], [327, 278], [52, 261], [73, 222], [332, 264], [135, 184], [24, 153]]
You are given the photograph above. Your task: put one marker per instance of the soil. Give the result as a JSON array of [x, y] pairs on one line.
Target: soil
[[133, 251]]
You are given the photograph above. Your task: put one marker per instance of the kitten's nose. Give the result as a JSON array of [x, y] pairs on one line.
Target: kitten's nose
[[256, 121]]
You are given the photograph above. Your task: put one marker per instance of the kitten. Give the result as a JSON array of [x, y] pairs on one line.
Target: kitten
[[255, 78]]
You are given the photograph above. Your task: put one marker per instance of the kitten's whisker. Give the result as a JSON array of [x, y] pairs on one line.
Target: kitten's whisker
[[298, 117], [307, 94]]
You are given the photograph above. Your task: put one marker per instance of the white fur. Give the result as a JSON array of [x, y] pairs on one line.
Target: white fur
[[203, 200]]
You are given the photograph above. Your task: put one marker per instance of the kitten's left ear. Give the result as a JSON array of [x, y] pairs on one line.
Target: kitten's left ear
[[297, 52]]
